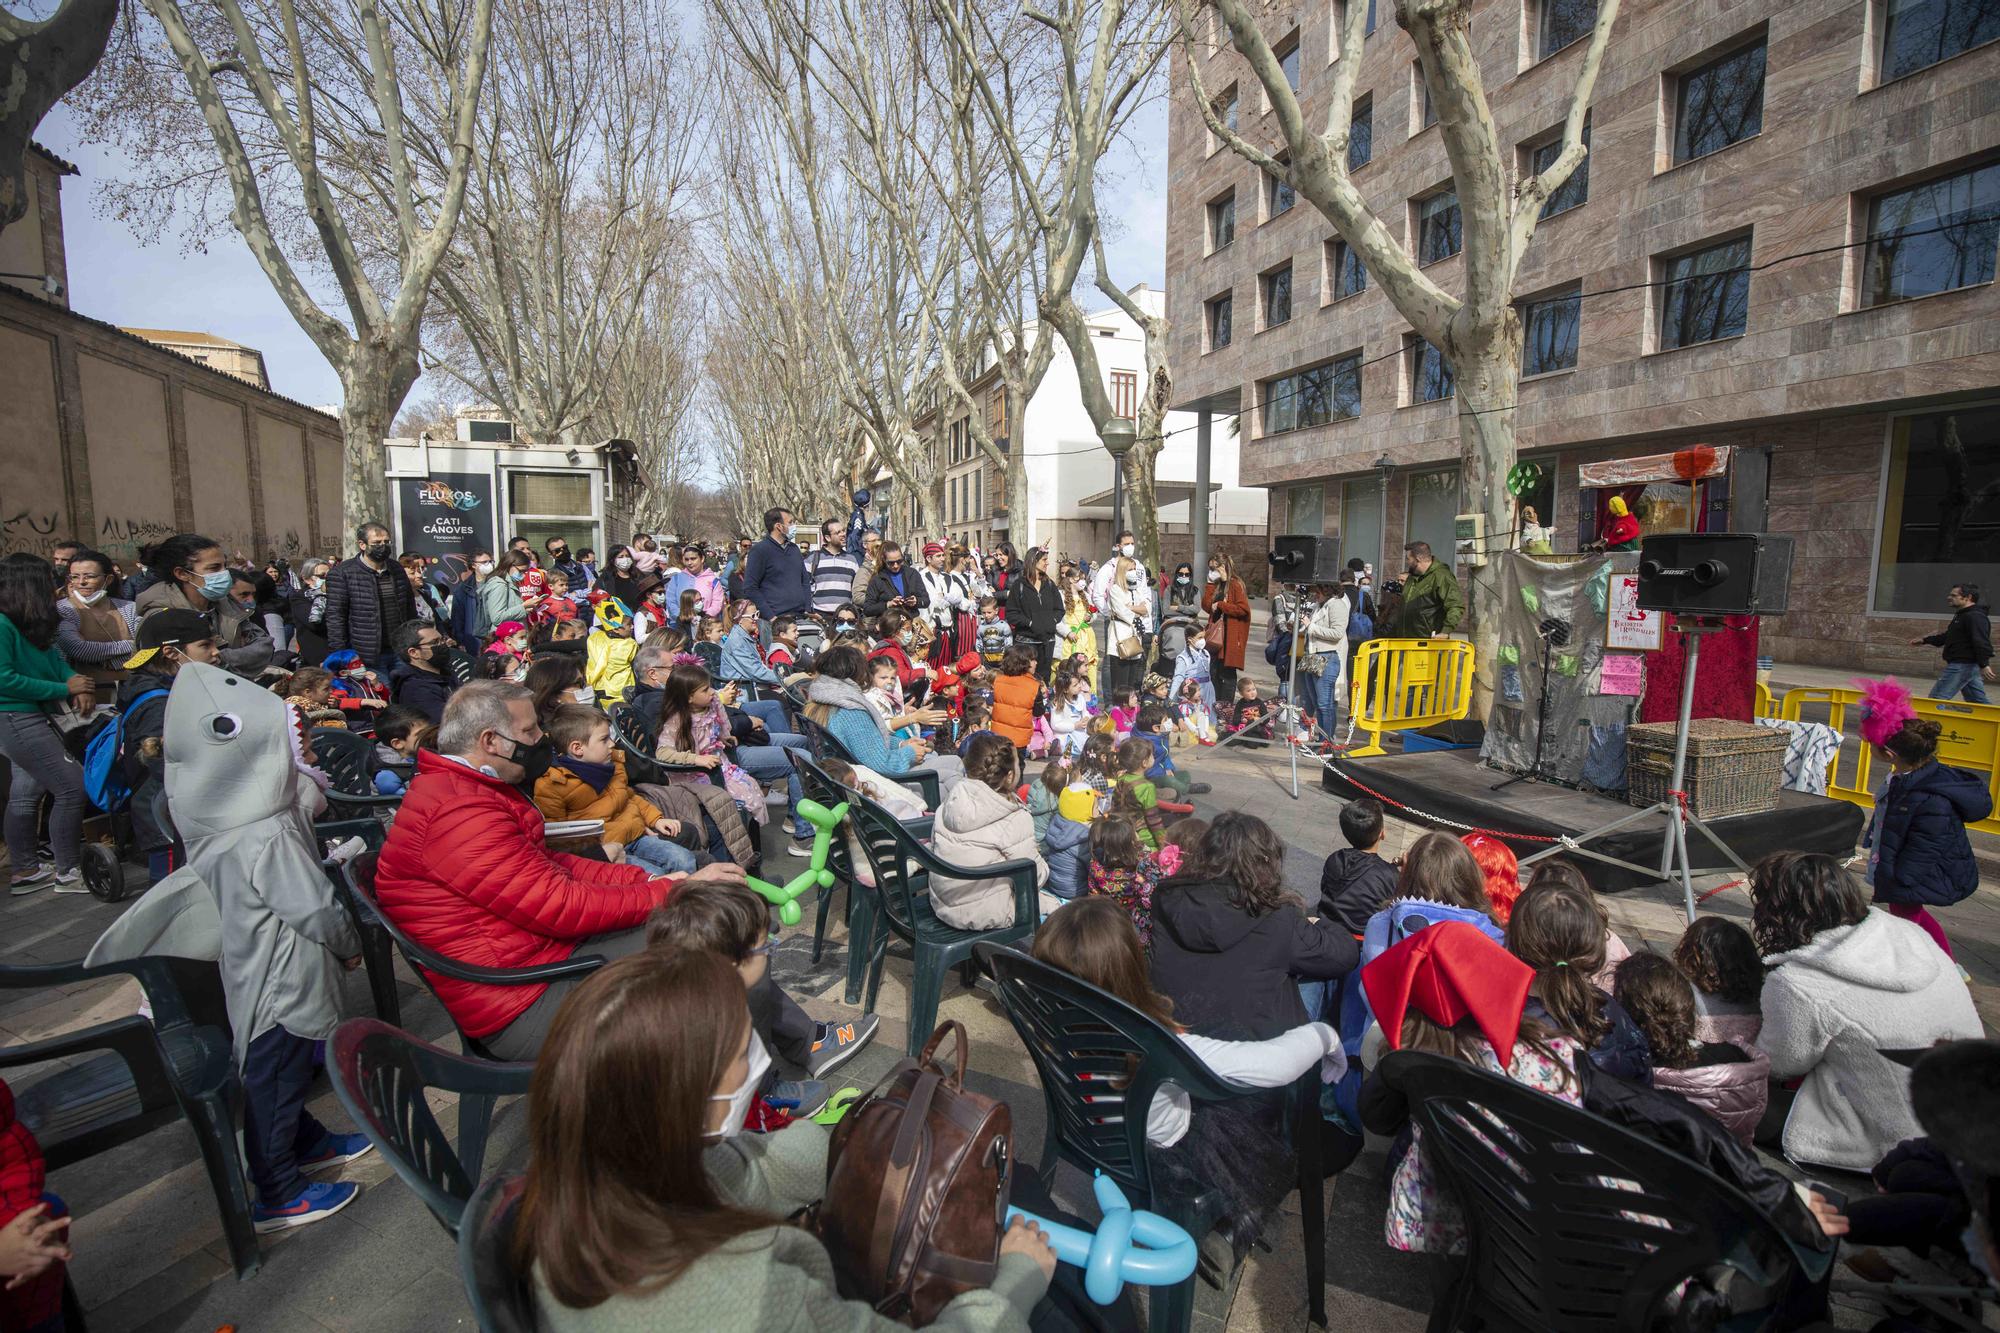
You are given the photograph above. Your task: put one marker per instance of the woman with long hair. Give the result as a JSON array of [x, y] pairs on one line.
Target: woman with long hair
[[1126, 612], [499, 589], [647, 1207], [1227, 603], [35, 680], [621, 578], [192, 576], [557, 679], [1035, 609]]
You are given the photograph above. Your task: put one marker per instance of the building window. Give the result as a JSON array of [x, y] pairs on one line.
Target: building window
[[1549, 332], [1221, 221], [1438, 231], [1420, 99], [1277, 296], [1125, 394], [1430, 374], [1361, 134], [543, 505], [1563, 22], [1705, 295], [477, 431], [1574, 191], [1314, 396], [1431, 512], [1917, 34], [1720, 103], [1346, 274], [1225, 105], [1940, 509], [1371, 19], [1278, 195], [1933, 237], [1219, 313], [1288, 59], [1361, 519], [1305, 511]]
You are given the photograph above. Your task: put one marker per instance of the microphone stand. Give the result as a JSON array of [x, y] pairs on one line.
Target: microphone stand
[[1549, 629]]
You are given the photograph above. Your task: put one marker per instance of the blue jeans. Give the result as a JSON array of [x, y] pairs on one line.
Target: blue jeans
[[662, 856], [771, 712], [1960, 678], [768, 763], [1326, 686]]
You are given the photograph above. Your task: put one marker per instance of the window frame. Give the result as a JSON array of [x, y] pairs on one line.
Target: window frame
[[1533, 151], [1414, 345], [1543, 51], [1677, 122], [1868, 204], [1210, 211], [1346, 364], [1291, 48], [1209, 308], [1419, 226], [1336, 249], [1570, 294], [1884, 29], [1123, 386], [1265, 286], [1662, 265], [1232, 99], [1275, 186], [1363, 113]]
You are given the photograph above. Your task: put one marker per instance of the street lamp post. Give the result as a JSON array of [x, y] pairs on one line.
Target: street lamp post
[[1119, 435]]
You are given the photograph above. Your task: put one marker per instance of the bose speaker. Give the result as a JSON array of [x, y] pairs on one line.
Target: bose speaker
[[1305, 560], [1715, 573]]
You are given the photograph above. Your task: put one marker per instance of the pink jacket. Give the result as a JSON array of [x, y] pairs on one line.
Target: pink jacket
[[1735, 1094]]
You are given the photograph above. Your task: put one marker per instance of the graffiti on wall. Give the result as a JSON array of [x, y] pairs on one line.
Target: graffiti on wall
[[30, 531]]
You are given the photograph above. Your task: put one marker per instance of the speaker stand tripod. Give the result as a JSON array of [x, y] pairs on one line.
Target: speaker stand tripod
[[1289, 712], [1674, 860], [1541, 719]]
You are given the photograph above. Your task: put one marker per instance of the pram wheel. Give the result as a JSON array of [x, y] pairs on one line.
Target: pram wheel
[[103, 872]]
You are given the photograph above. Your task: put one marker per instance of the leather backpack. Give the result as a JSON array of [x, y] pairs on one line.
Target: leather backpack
[[916, 1188]]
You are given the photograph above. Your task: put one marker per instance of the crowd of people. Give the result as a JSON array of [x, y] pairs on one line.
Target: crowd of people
[[586, 753]]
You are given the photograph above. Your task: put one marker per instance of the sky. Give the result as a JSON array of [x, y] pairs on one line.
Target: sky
[[216, 286]]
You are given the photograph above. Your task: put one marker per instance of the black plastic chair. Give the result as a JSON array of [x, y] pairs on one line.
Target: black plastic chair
[[1100, 1062], [822, 787], [631, 733], [1577, 1225], [826, 746], [378, 951], [501, 1299], [903, 867], [360, 881], [349, 763], [381, 1075], [178, 1066]]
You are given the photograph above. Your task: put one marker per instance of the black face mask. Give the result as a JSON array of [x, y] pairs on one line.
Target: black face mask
[[378, 550], [534, 759], [439, 654], [558, 555]]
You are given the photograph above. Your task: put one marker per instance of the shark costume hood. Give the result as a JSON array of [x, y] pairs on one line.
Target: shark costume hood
[[253, 894]]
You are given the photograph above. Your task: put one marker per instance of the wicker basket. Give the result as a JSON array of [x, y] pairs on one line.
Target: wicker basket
[[1733, 768]]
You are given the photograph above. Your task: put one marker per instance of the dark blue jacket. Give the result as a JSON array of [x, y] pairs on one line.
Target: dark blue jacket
[[1925, 857], [775, 579]]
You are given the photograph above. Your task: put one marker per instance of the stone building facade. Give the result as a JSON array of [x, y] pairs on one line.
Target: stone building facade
[[1797, 237]]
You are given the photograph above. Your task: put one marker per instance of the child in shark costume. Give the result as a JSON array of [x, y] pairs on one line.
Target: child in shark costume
[[253, 896]]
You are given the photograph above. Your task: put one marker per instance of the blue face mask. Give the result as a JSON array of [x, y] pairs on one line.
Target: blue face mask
[[216, 586]]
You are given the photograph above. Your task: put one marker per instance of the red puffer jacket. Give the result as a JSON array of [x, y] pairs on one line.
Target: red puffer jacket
[[465, 872]]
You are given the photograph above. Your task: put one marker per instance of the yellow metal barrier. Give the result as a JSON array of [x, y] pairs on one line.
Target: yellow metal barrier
[[1970, 740], [1409, 684]]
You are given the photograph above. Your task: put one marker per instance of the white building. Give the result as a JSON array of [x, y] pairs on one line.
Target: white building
[[1070, 476]]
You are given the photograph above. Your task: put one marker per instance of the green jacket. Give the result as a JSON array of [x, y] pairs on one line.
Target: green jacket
[[1432, 603], [29, 676], [780, 1280]]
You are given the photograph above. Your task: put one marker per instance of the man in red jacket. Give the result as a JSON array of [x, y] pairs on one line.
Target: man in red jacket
[[466, 871]]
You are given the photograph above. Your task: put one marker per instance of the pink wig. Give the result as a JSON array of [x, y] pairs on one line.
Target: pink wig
[[1885, 707]]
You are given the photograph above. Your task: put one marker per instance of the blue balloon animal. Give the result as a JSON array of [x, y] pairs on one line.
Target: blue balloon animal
[[815, 875], [1129, 1246]]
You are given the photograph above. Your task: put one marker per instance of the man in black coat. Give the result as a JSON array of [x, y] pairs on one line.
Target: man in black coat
[[421, 678], [367, 597], [774, 576], [895, 585], [1966, 644]]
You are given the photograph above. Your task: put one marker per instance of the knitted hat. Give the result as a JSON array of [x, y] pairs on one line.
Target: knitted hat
[[933, 548], [1449, 972], [507, 627]]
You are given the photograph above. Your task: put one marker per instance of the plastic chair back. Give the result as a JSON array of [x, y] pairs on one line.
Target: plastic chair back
[[348, 759], [501, 1298], [382, 1075], [1577, 1224], [639, 741], [822, 741]]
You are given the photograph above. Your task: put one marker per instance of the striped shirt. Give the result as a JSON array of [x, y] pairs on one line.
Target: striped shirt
[[833, 574]]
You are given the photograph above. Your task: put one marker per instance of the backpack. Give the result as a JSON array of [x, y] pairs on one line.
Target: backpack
[[916, 1189], [103, 776], [1360, 625]]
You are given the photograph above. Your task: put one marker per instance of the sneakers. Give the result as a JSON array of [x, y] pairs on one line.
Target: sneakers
[[803, 1097], [340, 1149], [70, 881], [800, 847], [1199, 789], [315, 1203], [33, 880], [834, 1044]]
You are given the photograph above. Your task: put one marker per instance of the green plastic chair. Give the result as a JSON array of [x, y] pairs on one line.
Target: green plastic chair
[[903, 867], [825, 745]]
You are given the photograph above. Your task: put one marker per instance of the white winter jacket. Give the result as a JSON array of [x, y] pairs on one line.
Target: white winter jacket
[[1831, 1007], [977, 826]]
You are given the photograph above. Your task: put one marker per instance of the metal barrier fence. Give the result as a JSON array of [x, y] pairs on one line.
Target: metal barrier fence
[[1409, 684], [1970, 740]]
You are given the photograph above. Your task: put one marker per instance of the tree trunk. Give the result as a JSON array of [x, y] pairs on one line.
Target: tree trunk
[[364, 488], [1487, 388], [39, 62]]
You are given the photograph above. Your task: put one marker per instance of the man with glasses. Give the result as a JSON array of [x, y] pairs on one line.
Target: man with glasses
[[572, 570], [421, 678]]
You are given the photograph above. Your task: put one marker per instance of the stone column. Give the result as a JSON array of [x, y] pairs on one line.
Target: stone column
[[1198, 503]]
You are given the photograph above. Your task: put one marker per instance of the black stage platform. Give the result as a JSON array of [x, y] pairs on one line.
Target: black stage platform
[[1447, 788]]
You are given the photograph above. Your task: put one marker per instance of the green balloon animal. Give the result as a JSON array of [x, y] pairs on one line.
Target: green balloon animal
[[815, 875]]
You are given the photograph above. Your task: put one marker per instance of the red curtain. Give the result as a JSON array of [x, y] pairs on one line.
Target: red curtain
[[1725, 683]]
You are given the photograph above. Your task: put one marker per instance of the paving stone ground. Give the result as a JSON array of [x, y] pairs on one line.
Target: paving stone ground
[[149, 1250]]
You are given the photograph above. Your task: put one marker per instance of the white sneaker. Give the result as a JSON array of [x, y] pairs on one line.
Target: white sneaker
[[70, 881], [28, 883]]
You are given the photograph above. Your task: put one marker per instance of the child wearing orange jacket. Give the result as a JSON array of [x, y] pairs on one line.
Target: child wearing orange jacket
[[587, 781]]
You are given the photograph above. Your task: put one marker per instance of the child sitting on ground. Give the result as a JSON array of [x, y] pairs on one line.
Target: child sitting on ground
[[1063, 836], [1124, 870], [1125, 711], [995, 636], [978, 721], [1134, 795], [587, 781], [1070, 712], [399, 733], [1720, 959], [1153, 727], [1439, 882], [1251, 715], [1721, 1078], [1355, 883], [1194, 719], [1559, 930], [310, 690], [1017, 698], [1567, 873], [1501, 869], [983, 823]]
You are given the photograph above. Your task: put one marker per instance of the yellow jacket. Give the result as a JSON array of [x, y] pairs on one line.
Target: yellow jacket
[[607, 664]]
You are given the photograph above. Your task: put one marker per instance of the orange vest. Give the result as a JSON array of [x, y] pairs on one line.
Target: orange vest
[[1014, 708]]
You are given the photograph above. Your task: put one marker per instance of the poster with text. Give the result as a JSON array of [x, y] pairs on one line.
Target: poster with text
[[446, 514], [1627, 628]]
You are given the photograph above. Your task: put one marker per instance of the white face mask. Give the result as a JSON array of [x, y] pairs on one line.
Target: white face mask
[[623, 562], [586, 695], [1215, 576], [89, 598], [1126, 550], [739, 1100], [1133, 579], [483, 568]]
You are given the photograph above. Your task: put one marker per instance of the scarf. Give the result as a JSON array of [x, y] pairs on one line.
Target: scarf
[[597, 775], [845, 694]]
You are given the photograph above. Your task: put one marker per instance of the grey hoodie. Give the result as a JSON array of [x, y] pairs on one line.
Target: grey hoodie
[[1831, 1007]]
